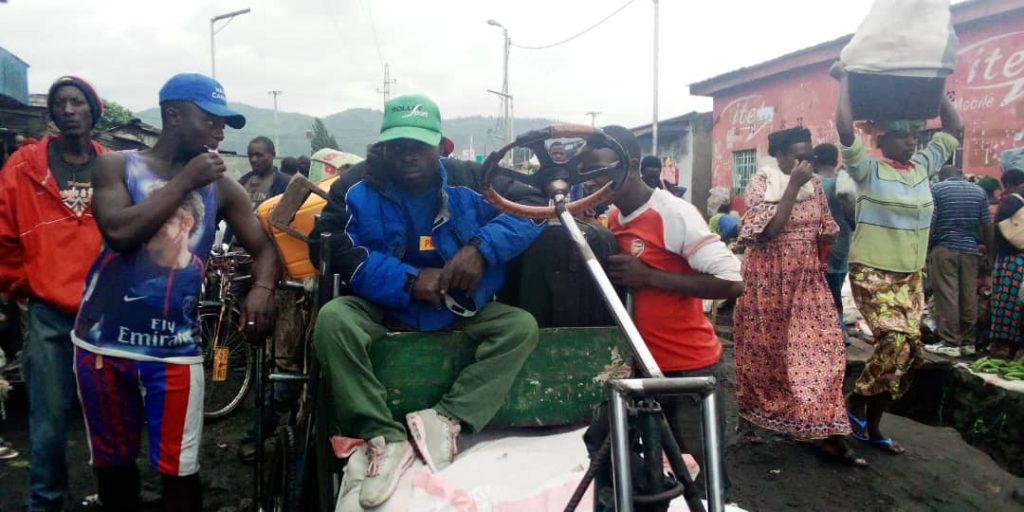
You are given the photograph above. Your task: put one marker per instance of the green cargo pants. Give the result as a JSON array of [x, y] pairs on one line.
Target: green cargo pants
[[347, 326]]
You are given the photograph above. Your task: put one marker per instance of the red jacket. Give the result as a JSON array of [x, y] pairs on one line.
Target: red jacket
[[45, 248]]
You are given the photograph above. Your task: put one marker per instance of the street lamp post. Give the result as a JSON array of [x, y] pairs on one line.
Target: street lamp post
[[213, 20], [506, 97], [654, 123], [277, 143]]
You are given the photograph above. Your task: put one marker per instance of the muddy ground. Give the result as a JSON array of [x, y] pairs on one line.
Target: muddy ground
[[938, 472]]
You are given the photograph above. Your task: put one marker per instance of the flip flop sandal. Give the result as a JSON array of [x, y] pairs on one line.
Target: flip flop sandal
[[858, 426], [887, 445], [855, 421]]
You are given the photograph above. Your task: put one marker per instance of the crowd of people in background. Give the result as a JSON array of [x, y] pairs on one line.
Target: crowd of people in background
[[817, 219]]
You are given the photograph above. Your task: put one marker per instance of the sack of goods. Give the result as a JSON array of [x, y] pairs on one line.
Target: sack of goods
[[899, 59]]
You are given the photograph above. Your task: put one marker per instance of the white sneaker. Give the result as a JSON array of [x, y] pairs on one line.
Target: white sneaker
[[355, 471], [348, 502], [944, 350], [386, 464], [435, 437], [348, 498]]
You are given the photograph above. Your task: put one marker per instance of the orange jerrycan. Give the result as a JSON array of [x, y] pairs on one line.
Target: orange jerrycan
[[289, 219]]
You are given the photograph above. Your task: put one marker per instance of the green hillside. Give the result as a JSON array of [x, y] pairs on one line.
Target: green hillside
[[354, 129]]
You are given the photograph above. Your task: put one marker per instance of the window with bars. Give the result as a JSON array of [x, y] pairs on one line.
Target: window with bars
[[744, 165]]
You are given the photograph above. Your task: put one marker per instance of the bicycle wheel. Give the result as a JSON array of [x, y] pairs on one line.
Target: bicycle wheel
[[225, 392], [283, 487]]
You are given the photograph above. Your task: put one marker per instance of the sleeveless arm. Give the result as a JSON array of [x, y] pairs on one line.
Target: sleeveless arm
[[125, 225]]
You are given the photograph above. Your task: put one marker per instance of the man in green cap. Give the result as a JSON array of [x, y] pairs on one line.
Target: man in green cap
[[417, 245]]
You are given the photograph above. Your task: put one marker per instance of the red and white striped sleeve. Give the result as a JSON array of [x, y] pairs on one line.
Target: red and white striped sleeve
[[687, 234]]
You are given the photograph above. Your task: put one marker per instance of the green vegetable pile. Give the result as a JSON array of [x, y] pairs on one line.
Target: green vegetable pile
[[1009, 370]]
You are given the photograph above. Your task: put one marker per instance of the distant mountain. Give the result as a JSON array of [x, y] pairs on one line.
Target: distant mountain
[[354, 129]]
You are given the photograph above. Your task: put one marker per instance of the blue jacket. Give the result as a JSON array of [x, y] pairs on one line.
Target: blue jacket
[[370, 228]]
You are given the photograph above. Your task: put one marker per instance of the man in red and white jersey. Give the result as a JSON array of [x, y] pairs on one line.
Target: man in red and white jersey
[[671, 261]]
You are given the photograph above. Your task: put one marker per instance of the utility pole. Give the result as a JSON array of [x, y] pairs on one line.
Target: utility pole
[[506, 103], [386, 90], [654, 123], [593, 117], [504, 88], [277, 143]]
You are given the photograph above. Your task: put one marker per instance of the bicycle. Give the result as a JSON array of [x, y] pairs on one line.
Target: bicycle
[[227, 357], [302, 472], [288, 465]]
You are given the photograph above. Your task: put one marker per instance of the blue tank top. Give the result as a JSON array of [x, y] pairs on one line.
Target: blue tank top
[[141, 304]]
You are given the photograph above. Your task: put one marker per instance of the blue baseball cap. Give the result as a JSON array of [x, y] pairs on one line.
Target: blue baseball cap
[[205, 92]]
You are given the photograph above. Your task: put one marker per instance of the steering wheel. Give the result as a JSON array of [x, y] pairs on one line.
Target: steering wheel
[[555, 179]]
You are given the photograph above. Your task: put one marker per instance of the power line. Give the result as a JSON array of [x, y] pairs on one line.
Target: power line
[[373, 30], [588, 29], [339, 32]]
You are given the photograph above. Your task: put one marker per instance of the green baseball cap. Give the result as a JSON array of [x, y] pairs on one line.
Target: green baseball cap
[[411, 117]]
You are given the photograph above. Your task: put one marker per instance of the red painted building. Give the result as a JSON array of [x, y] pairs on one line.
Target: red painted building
[[796, 89]]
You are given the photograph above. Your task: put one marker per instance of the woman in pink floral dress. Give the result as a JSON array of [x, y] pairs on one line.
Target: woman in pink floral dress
[[790, 358]]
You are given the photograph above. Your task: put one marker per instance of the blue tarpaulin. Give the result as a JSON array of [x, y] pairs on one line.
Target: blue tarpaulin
[[13, 77]]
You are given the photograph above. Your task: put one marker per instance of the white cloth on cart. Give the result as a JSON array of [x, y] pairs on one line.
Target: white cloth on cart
[[508, 471]]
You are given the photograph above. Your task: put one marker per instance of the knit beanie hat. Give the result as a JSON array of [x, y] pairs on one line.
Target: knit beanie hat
[[95, 103]]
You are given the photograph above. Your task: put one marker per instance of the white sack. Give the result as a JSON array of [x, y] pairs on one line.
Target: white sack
[[904, 37]]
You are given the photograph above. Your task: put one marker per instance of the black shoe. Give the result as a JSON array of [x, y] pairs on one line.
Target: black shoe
[[247, 451]]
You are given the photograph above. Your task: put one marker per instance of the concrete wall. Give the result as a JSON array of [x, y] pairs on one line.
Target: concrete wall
[[677, 144], [688, 143], [700, 160], [680, 148]]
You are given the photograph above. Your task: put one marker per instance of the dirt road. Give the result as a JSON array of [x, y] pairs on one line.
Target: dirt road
[[938, 472]]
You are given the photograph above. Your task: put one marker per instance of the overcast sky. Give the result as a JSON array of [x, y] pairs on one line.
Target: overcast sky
[[328, 55]]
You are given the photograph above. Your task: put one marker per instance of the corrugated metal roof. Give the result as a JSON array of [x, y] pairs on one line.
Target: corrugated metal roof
[[13, 77], [684, 119]]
